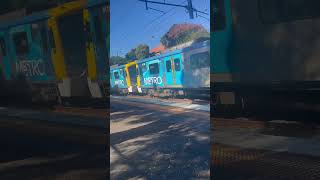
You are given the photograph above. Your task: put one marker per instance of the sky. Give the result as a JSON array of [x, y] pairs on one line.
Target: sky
[[131, 24]]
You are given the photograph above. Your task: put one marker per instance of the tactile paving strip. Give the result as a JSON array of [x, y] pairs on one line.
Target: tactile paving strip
[[235, 163]]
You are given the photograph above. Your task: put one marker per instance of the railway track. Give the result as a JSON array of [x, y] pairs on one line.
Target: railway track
[[91, 112]]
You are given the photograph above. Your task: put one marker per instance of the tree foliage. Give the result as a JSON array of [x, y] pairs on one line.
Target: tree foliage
[[181, 33], [118, 60], [140, 52], [131, 55]]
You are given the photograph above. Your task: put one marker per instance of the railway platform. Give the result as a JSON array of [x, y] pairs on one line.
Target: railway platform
[[275, 149]]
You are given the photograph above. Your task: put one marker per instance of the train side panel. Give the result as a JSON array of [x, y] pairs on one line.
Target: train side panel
[[152, 74], [30, 52], [264, 47], [281, 50], [197, 66]]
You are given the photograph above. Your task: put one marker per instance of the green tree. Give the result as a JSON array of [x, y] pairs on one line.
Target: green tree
[[142, 51], [131, 55], [181, 33], [118, 60]]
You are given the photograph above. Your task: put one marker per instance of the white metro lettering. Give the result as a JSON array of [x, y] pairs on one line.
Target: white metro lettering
[[31, 68], [119, 82], [152, 80]]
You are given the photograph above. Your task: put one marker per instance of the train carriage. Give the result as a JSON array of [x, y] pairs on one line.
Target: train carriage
[[56, 54], [118, 79], [176, 72], [161, 72], [197, 67], [265, 48]]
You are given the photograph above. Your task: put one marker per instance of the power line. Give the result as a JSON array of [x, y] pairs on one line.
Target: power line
[[155, 19], [189, 6]]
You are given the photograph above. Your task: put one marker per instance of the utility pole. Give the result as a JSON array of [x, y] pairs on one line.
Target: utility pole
[[188, 7]]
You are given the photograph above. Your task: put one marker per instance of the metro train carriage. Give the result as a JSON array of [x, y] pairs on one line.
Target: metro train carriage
[[265, 48], [56, 53], [163, 73], [118, 79], [173, 73]]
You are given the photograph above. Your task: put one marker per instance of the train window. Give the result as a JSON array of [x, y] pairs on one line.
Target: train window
[[116, 75], [275, 11], [219, 16], [3, 49], [177, 66], [168, 66], [21, 43], [200, 60], [121, 72], [154, 68]]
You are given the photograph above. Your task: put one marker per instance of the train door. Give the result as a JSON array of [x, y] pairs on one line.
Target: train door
[[122, 78], [4, 57], [132, 76], [169, 71], [177, 66], [73, 43], [96, 26]]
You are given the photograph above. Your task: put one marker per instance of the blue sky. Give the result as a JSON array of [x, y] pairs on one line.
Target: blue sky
[[131, 24]]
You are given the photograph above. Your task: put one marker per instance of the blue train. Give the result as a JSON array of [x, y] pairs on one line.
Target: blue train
[[177, 72], [61, 52]]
